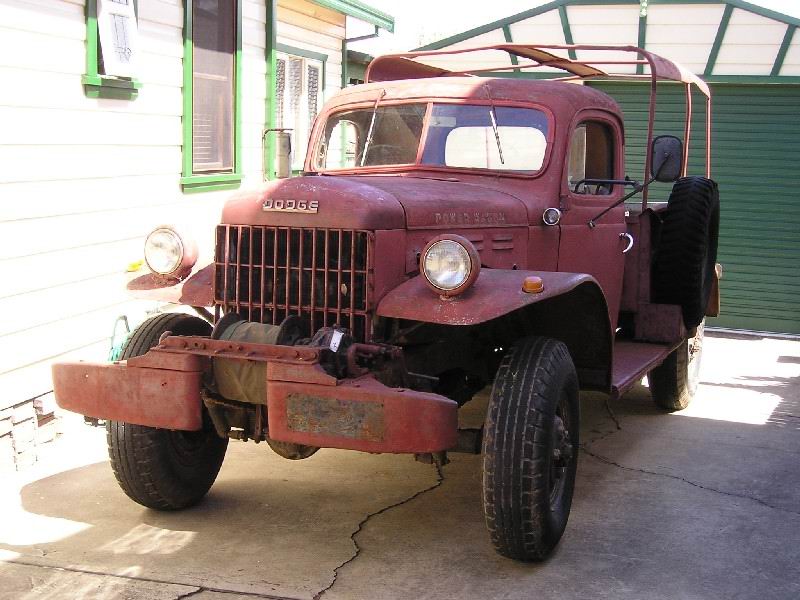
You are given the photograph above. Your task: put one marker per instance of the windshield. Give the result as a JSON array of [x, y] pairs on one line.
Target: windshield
[[363, 138], [458, 136]]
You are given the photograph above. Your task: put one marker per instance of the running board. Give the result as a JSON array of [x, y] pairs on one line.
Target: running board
[[633, 360]]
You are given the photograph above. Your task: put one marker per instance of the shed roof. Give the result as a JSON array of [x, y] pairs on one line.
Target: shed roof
[[722, 40]]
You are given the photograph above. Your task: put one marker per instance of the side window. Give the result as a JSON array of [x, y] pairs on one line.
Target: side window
[[212, 141], [299, 91], [591, 157], [213, 89], [342, 144]]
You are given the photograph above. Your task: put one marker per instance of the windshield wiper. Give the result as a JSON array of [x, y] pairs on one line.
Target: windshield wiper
[[493, 117], [371, 128]]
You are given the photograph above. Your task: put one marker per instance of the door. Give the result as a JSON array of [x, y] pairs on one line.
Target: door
[[594, 154]]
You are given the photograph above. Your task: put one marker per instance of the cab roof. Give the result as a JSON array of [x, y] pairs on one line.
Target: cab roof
[[543, 92]]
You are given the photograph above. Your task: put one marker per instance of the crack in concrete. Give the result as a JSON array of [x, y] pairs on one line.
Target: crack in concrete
[[365, 520], [608, 461], [603, 436], [194, 592], [611, 413], [199, 590], [599, 438]]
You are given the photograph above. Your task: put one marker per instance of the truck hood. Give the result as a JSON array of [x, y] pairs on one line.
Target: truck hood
[[374, 202]]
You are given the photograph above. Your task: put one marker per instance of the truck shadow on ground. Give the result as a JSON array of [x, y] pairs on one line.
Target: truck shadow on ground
[[271, 526]]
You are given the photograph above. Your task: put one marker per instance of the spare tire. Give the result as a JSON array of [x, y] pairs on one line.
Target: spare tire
[[683, 270]]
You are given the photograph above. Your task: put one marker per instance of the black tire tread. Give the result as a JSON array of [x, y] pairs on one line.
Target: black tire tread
[[139, 455], [674, 382], [687, 251], [514, 472], [668, 382]]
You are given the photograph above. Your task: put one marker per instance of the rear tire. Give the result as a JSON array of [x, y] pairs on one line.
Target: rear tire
[[683, 272], [530, 449], [674, 382], [161, 468]]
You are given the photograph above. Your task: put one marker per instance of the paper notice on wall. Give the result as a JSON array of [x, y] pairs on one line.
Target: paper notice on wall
[[117, 26]]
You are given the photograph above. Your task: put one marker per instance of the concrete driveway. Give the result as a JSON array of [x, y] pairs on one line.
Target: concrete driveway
[[699, 504]]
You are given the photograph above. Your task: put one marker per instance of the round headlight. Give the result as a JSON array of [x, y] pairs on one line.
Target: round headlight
[[163, 251], [450, 264]]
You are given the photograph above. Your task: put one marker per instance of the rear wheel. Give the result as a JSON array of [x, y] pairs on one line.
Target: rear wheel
[[674, 382], [161, 468], [530, 449]]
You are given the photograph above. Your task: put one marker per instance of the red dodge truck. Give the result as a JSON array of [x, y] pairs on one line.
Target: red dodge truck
[[449, 231]]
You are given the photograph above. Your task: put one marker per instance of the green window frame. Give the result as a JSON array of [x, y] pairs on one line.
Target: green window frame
[[192, 182], [96, 84], [291, 52]]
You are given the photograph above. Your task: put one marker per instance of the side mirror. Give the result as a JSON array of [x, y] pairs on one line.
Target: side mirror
[[666, 158], [283, 154]]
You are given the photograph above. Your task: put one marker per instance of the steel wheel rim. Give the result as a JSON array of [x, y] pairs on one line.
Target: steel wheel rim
[[186, 444], [561, 454]]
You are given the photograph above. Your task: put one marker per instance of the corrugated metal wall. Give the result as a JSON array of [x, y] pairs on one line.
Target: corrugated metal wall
[[755, 160]]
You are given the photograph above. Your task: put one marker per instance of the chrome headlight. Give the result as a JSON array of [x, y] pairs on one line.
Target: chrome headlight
[[166, 253], [450, 264]]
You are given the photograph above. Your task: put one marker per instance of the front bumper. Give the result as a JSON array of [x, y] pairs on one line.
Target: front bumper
[[305, 405]]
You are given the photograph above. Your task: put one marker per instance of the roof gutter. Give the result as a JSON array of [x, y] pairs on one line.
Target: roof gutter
[[359, 10]]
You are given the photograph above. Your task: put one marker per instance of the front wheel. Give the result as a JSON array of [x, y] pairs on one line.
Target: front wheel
[[161, 468], [530, 449]]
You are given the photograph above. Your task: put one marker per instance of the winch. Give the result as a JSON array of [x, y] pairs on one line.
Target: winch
[[236, 397]]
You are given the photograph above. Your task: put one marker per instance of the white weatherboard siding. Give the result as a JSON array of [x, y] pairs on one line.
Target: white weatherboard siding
[[470, 60], [597, 25], [685, 35], [684, 32], [83, 180], [317, 29], [750, 45], [791, 64], [542, 29]]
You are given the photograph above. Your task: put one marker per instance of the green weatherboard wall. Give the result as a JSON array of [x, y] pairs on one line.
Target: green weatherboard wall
[[755, 160]]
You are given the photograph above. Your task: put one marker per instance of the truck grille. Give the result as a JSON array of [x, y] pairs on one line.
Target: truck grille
[[322, 275]]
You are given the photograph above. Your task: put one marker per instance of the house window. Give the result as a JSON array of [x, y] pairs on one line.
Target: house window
[[591, 157], [212, 155], [299, 85], [111, 49]]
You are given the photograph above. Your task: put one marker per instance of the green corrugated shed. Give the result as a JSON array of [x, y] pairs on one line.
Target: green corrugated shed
[[755, 159], [751, 56]]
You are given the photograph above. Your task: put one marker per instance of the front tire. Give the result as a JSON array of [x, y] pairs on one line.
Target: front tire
[[161, 468], [530, 449]]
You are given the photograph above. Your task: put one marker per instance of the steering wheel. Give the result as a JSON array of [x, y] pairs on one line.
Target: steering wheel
[[600, 189], [603, 189], [381, 154]]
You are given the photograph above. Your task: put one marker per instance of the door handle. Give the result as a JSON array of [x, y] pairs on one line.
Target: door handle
[[630, 241]]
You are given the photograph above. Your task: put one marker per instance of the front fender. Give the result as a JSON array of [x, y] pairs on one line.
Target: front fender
[[571, 308], [495, 293], [195, 290]]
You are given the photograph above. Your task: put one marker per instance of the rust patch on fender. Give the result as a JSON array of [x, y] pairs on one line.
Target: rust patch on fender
[[343, 418]]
